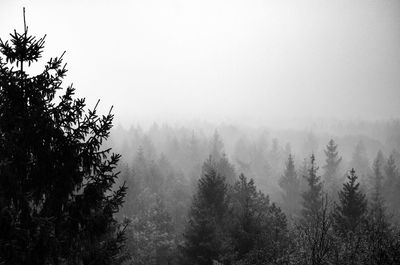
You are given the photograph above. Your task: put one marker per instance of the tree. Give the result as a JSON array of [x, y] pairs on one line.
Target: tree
[[392, 187], [226, 169], [290, 185], [258, 228], [377, 180], [312, 198], [150, 238], [352, 208], [359, 161], [57, 205], [331, 167], [216, 146], [204, 234]]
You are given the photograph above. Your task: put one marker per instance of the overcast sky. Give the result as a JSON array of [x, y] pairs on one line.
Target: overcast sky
[[224, 60]]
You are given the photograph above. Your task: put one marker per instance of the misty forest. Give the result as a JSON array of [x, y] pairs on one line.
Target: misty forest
[[78, 188]]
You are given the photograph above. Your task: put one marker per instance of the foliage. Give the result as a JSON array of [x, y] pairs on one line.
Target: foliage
[[290, 185], [57, 205]]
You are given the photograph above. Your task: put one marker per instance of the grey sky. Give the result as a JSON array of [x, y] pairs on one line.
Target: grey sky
[[225, 60]]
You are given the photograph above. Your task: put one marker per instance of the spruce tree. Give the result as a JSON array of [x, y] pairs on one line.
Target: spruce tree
[[258, 229], [392, 187], [312, 198], [204, 234], [377, 180], [290, 185], [216, 146], [331, 168], [226, 169], [57, 202], [352, 207], [360, 162]]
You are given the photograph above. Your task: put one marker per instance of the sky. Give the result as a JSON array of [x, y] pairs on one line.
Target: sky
[[241, 61]]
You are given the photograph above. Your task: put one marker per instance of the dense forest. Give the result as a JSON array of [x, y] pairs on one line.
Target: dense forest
[[201, 194]]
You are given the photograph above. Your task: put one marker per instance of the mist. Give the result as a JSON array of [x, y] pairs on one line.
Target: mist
[[243, 62], [223, 132]]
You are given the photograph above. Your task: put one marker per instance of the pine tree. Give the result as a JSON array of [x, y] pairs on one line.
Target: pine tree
[[312, 198], [226, 169], [352, 207], [149, 236], [331, 167], [203, 237], [290, 185], [377, 180], [258, 228], [56, 200], [392, 187], [360, 162], [216, 147]]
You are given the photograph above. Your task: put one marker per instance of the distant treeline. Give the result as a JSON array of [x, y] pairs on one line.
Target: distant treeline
[[193, 203]]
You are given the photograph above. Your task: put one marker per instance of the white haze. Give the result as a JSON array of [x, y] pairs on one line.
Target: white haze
[[242, 61]]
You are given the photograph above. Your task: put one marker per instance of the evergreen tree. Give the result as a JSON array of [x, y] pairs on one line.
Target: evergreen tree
[[352, 208], [226, 169], [149, 236], [56, 200], [312, 198], [331, 168], [377, 180], [204, 235], [392, 187], [290, 185], [216, 147], [258, 228], [360, 163]]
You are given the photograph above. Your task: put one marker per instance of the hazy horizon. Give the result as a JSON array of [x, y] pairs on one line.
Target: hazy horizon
[[241, 62]]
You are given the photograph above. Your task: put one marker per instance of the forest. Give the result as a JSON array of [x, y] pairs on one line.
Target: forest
[[76, 190]]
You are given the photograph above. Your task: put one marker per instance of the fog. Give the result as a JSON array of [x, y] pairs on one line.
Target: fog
[[245, 132], [243, 62]]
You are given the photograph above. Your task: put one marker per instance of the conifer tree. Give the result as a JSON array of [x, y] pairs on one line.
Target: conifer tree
[[290, 185], [312, 198], [392, 187], [258, 228], [226, 169], [352, 207], [216, 147], [331, 168], [57, 202], [360, 162], [377, 180], [204, 234]]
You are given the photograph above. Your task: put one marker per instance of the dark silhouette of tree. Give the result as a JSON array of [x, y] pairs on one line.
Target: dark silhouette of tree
[[352, 208], [204, 234], [312, 198], [332, 162], [258, 228], [392, 187], [290, 185], [57, 202]]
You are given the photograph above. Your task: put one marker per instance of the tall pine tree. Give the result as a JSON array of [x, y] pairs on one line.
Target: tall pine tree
[[290, 185], [331, 168], [352, 207], [204, 234], [312, 198], [57, 204], [392, 187]]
